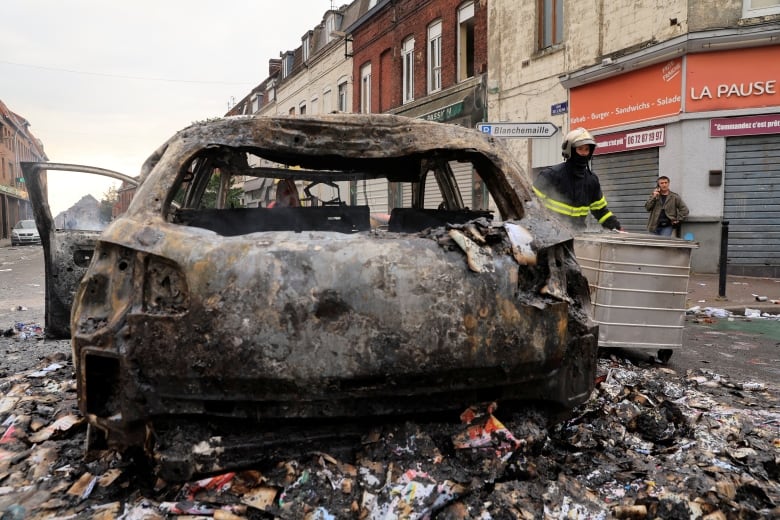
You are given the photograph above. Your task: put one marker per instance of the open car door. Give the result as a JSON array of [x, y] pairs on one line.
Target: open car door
[[68, 244]]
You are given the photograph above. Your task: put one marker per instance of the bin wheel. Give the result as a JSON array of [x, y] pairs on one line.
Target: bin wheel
[[665, 354]]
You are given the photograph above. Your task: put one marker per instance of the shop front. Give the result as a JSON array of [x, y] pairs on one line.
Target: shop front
[[709, 122]]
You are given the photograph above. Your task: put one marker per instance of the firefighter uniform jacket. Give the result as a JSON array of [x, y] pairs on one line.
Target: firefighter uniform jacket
[[572, 190]]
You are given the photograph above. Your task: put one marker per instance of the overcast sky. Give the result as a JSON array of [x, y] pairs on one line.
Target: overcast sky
[[105, 82]]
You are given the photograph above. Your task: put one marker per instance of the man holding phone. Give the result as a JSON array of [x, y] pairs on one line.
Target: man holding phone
[[666, 208]]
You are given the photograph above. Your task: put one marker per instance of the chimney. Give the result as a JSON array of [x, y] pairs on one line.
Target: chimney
[[274, 66]]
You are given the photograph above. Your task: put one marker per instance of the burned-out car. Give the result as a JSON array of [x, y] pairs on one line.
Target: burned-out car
[[346, 280]]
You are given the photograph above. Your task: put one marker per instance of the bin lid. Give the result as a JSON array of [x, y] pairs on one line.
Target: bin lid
[[636, 239]]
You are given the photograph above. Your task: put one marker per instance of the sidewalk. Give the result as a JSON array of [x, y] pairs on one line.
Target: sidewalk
[[740, 293]]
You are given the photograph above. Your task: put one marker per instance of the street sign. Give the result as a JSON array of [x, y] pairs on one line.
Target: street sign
[[559, 108], [518, 129]]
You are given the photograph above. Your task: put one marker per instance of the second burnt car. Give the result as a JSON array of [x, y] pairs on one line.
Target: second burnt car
[[359, 286]]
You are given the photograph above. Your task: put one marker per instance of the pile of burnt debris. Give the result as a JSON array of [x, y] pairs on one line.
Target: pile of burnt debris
[[649, 443]]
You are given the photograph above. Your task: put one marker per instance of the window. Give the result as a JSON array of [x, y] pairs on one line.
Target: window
[[270, 91], [365, 89], [305, 43], [407, 59], [302, 107], [343, 96], [287, 63], [327, 102], [291, 111], [332, 24], [466, 41], [752, 8], [314, 105], [550, 23], [434, 57], [257, 102]]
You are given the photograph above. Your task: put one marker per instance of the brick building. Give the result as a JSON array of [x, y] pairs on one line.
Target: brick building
[[418, 54], [424, 59], [17, 144]]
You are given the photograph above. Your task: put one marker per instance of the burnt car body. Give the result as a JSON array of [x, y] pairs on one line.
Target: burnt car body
[[195, 317]]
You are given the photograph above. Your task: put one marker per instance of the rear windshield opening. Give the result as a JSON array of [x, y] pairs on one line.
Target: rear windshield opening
[[262, 196]]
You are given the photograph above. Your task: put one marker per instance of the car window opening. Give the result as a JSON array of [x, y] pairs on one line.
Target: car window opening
[[235, 193]]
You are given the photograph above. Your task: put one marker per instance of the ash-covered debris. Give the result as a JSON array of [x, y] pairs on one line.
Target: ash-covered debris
[[703, 313], [24, 331], [649, 443]]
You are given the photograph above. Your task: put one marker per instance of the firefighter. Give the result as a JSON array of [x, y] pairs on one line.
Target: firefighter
[[571, 189]]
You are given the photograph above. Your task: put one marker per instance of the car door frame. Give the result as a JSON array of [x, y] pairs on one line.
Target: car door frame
[[66, 252]]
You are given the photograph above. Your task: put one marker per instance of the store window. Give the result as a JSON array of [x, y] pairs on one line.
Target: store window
[[466, 41], [549, 23], [434, 57], [407, 58]]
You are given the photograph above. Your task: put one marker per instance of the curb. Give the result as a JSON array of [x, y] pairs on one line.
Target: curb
[[763, 307]]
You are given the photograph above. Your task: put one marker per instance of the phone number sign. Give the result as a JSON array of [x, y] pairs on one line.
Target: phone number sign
[[631, 140]]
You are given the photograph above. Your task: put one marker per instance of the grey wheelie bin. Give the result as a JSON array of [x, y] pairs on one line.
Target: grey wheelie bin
[[639, 285]]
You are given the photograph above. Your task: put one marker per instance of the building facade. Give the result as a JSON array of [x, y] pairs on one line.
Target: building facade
[[423, 59], [17, 145], [314, 78], [677, 88]]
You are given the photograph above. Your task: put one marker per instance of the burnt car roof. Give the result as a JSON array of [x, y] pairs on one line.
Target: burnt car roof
[[376, 145]]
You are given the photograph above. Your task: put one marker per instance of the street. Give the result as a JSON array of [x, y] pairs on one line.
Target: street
[[695, 437], [22, 304]]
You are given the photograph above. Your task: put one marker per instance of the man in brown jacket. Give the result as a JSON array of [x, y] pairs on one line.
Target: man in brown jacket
[[666, 208]]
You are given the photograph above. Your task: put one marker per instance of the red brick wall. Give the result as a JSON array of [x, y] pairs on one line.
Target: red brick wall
[[378, 40], [388, 83]]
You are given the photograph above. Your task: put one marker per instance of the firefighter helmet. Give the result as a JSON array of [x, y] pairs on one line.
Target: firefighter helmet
[[575, 138]]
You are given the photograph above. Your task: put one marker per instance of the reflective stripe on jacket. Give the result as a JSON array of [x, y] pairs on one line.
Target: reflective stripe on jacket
[[573, 193]]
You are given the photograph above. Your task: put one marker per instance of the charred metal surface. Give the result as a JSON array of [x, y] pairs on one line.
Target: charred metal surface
[[193, 314]]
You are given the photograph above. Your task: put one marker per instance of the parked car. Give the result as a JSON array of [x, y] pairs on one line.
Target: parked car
[[204, 329], [25, 232]]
